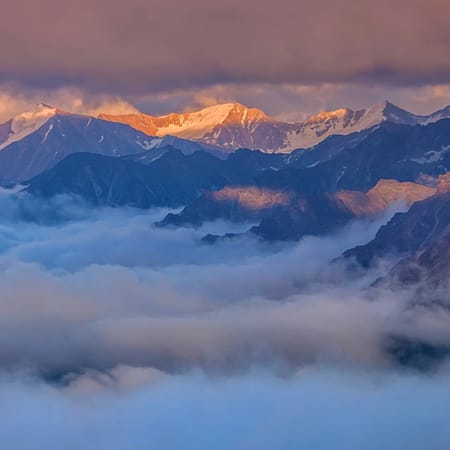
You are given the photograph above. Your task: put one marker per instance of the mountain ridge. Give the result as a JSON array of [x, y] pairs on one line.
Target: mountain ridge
[[227, 127], [233, 125]]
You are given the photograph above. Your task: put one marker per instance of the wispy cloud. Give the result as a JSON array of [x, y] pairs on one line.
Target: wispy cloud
[[15, 100]]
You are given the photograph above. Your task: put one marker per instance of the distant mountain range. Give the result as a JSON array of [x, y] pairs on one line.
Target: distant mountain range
[[232, 125], [35, 141], [283, 180], [287, 180], [406, 153]]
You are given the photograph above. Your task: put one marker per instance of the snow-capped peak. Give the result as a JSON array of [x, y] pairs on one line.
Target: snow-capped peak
[[195, 124], [233, 125], [326, 123], [395, 114], [346, 121], [27, 122]]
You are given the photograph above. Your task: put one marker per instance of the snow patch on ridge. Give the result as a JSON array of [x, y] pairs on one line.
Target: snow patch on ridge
[[28, 122], [195, 125], [342, 121]]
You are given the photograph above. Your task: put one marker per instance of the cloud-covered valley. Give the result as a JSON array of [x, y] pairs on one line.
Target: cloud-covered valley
[[122, 332], [96, 289], [217, 232]]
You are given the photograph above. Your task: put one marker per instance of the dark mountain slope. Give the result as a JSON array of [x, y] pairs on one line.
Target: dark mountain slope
[[173, 179], [392, 151]]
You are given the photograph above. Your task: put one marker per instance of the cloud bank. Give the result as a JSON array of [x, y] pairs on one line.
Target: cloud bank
[[127, 47]]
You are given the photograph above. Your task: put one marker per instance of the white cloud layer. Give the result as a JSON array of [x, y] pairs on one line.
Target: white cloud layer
[[118, 335], [106, 288]]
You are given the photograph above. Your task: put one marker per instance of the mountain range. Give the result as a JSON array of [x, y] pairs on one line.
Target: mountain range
[[281, 181], [232, 125], [230, 162], [35, 141], [173, 179], [285, 197]]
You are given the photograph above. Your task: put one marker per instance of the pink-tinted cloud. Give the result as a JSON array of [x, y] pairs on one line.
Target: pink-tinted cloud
[[147, 45], [295, 102], [14, 101], [289, 102]]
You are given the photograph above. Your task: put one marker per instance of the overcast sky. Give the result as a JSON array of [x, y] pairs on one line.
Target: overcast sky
[[289, 57]]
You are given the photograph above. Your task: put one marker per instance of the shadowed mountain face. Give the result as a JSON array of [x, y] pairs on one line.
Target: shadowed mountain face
[[63, 135], [233, 203], [285, 215], [317, 214], [407, 233], [47, 136], [5, 131], [430, 265], [425, 271], [399, 152], [173, 179]]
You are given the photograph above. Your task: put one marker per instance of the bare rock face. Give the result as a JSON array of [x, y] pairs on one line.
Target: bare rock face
[[141, 122], [252, 198], [413, 231], [5, 131], [233, 203], [382, 195], [321, 213], [426, 270], [443, 184]]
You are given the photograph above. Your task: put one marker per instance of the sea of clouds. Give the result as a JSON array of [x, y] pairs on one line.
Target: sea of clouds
[[116, 334]]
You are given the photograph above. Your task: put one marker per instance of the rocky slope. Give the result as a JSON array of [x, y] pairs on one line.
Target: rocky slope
[[172, 179], [410, 232]]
